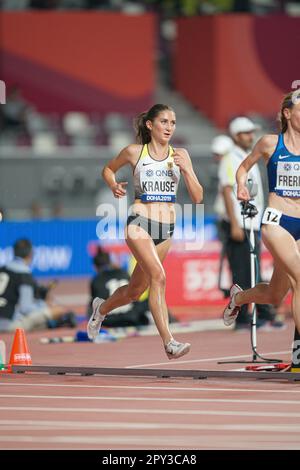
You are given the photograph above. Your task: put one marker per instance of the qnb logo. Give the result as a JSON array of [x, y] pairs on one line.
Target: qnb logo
[[149, 173], [164, 173], [2, 92], [287, 166]]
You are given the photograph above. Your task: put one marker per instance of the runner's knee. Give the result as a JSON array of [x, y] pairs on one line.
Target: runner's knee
[[134, 293], [158, 276], [275, 298], [295, 281]]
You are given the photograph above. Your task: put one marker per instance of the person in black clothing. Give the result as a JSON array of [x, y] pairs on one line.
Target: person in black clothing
[[22, 301], [109, 277], [13, 114]]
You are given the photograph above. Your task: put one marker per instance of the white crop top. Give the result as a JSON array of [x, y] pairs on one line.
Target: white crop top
[[156, 180]]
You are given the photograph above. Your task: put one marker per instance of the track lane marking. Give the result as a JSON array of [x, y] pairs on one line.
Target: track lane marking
[[211, 359], [262, 414], [72, 425], [167, 399], [140, 387]]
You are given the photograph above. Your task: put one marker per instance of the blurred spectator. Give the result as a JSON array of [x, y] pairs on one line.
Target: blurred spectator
[[167, 8], [99, 4], [14, 4], [57, 210], [13, 113], [282, 4], [221, 145], [23, 303], [108, 278], [44, 4], [36, 210], [242, 6], [2, 214]]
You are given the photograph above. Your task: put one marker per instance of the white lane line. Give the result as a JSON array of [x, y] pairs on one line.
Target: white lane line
[[262, 414], [147, 399], [137, 387], [209, 359], [188, 441], [134, 441], [73, 425]]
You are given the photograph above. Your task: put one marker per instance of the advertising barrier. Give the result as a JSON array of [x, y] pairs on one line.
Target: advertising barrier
[[64, 249]]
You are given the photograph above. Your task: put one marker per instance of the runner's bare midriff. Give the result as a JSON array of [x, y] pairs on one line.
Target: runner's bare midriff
[[287, 205], [160, 211]]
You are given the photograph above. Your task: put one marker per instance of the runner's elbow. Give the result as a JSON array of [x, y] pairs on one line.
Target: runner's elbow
[[198, 198]]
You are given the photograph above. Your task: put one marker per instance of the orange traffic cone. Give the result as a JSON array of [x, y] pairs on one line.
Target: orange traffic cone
[[20, 355]]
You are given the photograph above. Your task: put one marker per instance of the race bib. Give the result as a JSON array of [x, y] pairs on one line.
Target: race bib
[[288, 179], [158, 185], [158, 198], [271, 216]]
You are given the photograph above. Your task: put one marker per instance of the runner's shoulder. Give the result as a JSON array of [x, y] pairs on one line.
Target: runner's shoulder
[[267, 144], [131, 153]]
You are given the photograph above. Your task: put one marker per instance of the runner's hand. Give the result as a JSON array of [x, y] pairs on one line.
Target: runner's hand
[[182, 160], [119, 190], [243, 193]]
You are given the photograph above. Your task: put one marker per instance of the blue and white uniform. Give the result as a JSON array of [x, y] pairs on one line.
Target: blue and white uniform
[[284, 179]]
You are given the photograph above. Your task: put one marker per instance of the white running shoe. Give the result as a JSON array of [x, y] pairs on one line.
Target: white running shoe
[[96, 319], [175, 350], [232, 310]]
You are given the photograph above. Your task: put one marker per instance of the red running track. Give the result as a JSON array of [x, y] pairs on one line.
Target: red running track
[[72, 412]]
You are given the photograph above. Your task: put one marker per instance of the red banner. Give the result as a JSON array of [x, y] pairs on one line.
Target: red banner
[[192, 278], [85, 61], [227, 65]]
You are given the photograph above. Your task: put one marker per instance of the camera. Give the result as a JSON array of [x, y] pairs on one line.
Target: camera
[[252, 188], [248, 210]]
